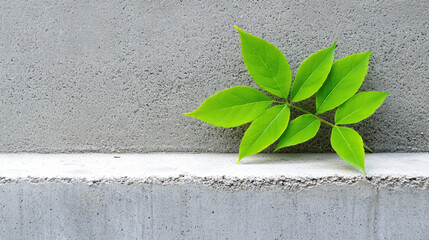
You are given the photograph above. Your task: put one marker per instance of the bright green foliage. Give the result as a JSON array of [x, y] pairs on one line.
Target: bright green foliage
[[349, 145], [266, 64], [359, 107], [334, 85], [312, 74], [300, 130], [343, 81], [232, 107], [264, 131]]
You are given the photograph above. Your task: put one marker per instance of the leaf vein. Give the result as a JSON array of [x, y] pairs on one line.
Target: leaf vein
[[267, 127], [306, 80], [348, 115], [241, 105], [315, 120], [348, 145], [340, 82], [272, 75]]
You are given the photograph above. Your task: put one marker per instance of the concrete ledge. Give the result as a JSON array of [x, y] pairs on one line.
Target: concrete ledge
[[209, 196]]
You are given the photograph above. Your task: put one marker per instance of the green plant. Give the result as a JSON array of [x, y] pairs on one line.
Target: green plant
[[334, 83]]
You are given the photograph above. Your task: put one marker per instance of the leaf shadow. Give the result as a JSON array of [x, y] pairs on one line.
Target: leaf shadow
[[322, 161], [286, 157]]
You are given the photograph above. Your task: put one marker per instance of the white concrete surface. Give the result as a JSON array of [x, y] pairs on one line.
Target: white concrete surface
[[96, 166], [210, 196]]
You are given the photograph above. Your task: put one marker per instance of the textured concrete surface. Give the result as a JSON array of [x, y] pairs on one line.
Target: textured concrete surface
[[209, 196], [115, 76]]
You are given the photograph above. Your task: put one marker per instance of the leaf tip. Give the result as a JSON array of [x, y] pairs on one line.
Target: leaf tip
[[385, 95], [335, 44], [240, 154], [189, 114], [236, 27]]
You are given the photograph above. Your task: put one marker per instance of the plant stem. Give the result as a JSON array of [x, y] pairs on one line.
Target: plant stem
[[321, 119], [367, 148], [305, 111]]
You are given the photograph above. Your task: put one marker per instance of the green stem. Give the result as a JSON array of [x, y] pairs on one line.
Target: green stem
[[367, 148], [321, 119], [305, 111]]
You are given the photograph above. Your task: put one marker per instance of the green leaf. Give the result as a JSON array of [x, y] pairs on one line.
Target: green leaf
[[359, 107], [312, 74], [264, 131], [232, 107], [300, 129], [349, 146], [266, 64], [344, 80]]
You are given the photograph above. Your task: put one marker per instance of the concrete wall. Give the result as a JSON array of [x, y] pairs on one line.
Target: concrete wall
[[209, 196], [81, 211], [109, 76]]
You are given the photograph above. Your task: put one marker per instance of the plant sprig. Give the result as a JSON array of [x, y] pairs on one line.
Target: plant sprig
[[334, 83]]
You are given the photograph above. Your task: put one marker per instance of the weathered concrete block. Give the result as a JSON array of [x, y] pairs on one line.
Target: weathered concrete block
[[203, 196]]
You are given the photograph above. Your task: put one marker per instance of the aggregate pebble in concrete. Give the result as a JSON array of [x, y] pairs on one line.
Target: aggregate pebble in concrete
[[228, 183], [97, 76]]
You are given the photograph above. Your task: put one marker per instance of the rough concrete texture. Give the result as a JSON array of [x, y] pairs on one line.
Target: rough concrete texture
[[115, 76], [209, 196]]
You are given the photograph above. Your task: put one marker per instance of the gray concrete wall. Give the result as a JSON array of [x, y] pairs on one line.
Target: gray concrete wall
[[209, 196], [109, 76], [81, 211]]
